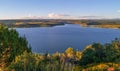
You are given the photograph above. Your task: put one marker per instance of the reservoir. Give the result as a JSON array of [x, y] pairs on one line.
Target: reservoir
[[59, 38]]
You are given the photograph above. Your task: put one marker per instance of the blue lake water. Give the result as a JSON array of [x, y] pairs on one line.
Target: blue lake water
[[59, 38]]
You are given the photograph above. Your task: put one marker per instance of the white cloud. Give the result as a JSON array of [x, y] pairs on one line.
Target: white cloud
[[49, 16], [118, 11], [91, 17], [61, 16], [58, 16], [31, 17], [66, 16]]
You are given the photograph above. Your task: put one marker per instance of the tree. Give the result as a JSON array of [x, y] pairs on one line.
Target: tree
[[112, 51], [92, 54], [70, 52], [11, 45], [25, 62], [88, 56]]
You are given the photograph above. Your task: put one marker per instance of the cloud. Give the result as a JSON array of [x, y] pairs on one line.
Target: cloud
[[61, 16], [49, 16], [118, 11], [91, 17], [31, 17], [66, 16], [58, 16]]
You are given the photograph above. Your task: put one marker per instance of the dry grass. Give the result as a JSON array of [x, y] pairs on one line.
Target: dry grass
[[104, 67], [108, 26]]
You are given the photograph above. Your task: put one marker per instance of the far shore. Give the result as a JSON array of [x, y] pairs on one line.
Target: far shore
[[113, 24]]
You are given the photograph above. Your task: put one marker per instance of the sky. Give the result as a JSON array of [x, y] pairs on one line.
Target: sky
[[64, 9]]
